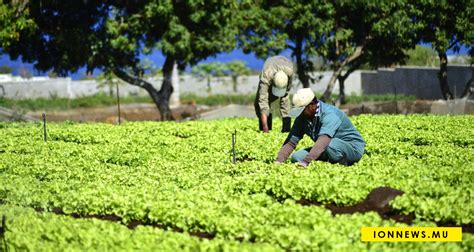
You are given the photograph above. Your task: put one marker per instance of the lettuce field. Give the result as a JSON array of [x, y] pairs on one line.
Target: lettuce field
[[173, 186]]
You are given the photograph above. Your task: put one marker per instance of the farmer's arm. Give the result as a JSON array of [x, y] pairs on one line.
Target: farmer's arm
[[285, 151], [291, 141], [329, 125], [318, 148], [263, 103]]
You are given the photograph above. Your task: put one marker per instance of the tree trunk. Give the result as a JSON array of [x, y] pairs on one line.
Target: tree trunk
[[337, 72], [342, 79], [342, 95], [208, 77], [160, 98], [468, 89], [234, 83], [443, 76], [300, 64], [166, 90]]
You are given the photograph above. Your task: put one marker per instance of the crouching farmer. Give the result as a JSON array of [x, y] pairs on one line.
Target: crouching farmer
[[275, 83], [335, 138]]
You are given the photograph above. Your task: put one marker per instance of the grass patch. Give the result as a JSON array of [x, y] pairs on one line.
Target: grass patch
[[218, 99], [377, 98], [58, 103], [103, 100]]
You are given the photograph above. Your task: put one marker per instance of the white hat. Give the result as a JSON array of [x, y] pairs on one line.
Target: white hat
[[301, 99], [281, 82]]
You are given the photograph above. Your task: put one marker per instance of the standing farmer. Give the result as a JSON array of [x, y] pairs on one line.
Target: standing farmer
[[335, 138], [275, 82]]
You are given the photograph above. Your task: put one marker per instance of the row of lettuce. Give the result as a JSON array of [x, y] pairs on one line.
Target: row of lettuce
[[182, 176]]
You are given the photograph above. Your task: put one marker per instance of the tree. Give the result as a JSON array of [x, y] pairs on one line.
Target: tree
[[25, 73], [109, 80], [149, 68], [235, 69], [13, 21], [269, 27], [111, 35], [378, 37], [62, 37], [447, 25], [6, 70], [421, 56], [196, 31], [462, 60], [52, 74], [185, 31], [208, 71], [346, 34]]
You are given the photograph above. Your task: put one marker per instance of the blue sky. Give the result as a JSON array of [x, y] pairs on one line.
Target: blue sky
[[158, 59]]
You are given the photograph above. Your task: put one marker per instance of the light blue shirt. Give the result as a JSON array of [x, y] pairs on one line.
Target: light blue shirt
[[329, 121]]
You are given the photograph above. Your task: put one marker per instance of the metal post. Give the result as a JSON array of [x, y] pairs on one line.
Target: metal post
[[3, 230], [44, 126], [69, 93], [396, 103], [234, 139], [118, 102]]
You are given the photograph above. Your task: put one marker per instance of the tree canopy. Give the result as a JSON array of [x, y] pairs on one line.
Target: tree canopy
[[421, 56], [14, 19], [446, 25], [366, 33], [111, 35], [269, 27], [347, 34], [63, 36]]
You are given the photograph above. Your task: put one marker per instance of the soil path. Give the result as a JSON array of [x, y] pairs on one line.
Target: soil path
[[128, 112]]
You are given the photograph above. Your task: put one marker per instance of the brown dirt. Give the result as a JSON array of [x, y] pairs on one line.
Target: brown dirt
[[129, 112], [378, 201], [131, 225]]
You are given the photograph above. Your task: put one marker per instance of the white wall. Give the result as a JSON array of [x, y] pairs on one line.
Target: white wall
[[419, 81]]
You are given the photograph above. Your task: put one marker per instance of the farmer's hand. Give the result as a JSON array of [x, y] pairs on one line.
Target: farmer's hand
[[302, 164], [264, 122], [265, 129]]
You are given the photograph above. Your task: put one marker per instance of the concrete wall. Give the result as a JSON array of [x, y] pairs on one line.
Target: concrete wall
[[352, 84], [23, 88], [248, 84], [418, 81], [18, 88]]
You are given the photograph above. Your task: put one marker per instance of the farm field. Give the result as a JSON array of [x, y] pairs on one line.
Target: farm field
[[169, 186]]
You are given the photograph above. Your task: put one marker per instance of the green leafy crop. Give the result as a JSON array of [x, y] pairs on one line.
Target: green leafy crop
[[180, 176]]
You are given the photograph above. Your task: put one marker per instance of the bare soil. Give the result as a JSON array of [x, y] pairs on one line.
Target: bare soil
[[377, 200], [129, 112], [149, 112]]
